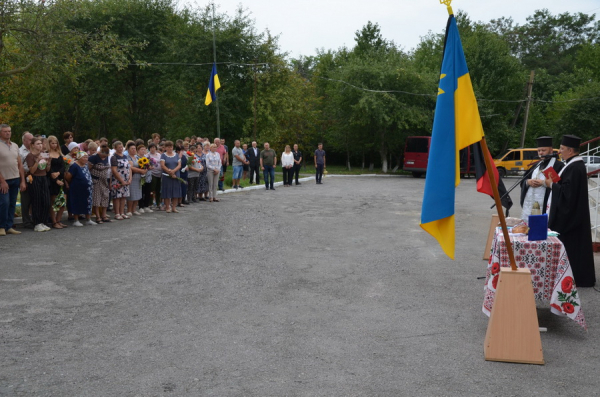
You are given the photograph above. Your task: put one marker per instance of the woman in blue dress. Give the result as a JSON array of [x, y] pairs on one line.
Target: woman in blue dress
[[80, 189], [170, 185]]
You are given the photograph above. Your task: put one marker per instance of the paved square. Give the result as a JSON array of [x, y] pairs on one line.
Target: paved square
[[316, 290]]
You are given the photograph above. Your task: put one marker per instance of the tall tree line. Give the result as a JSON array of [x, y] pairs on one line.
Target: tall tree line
[[128, 68]]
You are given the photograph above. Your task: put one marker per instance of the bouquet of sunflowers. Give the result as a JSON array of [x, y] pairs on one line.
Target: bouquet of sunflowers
[[143, 163]]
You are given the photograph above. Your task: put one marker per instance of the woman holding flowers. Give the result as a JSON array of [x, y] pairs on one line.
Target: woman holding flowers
[[121, 179], [135, 189], [39, 192], [80, 183], [56, 182], [171, 186], [194, 167], [144, 163], [213, 164], [156, 171], [99, 168]]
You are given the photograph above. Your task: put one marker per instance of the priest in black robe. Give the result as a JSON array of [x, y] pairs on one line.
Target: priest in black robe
[[533, 188], [570, 212]]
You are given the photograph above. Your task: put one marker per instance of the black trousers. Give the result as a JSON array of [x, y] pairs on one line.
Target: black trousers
[[319, 173], [146, 200], [296, 172], [288, 175], [254, 169], [39, 192]]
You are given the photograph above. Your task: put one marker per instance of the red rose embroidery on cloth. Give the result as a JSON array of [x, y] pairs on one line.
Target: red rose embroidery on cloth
[[554, 305], [495, 282], [495, 268], [567, 284], [568, 308]]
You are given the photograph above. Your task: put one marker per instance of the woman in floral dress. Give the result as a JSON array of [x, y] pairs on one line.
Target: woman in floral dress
[[99, 167], [121, 179]]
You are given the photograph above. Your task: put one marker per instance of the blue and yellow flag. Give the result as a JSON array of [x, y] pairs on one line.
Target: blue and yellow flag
[[456, 125], [213, 86]]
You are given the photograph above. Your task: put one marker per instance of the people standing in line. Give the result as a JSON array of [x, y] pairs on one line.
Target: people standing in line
[[121, 179], [146, 182], [156, 171], [80, 182], [171, 187], [570, 213], [25, 195], [12, 179], [222, 150], [254, 163], [245, 167], [214, 167], [39, 191], [194, 168], [99, 166], [56, 182], [239, 160], [183, 174], [287, 166], [226, 161], [297, 163], [268, 162], [135, 189], [203, 180], [534, 190], [67, 138], [320, 163]]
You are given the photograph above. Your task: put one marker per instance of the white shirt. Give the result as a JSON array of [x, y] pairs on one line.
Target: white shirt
[[287, 159]]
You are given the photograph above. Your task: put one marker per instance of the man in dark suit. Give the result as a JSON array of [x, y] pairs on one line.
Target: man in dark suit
[[253, 156], [570, 212]]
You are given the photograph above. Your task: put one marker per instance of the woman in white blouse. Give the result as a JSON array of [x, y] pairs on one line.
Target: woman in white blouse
[[287, 164], [213, 164]]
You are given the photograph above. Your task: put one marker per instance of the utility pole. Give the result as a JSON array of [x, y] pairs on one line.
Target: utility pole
[[529, 89], [255, 100], [215, 61]]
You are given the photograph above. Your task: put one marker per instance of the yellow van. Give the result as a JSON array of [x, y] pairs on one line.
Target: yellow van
[[517, 161]]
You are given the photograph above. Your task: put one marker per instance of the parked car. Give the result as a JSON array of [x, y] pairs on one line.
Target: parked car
[[517, 161], [592, 163]]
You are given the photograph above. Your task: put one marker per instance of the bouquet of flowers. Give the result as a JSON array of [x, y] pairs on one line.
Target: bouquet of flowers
[[143, 163], [60, 200], [42, 164], [116, 186], [174, 177], [153, 163], [68, 163]]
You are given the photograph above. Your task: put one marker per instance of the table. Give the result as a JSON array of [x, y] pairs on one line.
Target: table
[[551, 274]]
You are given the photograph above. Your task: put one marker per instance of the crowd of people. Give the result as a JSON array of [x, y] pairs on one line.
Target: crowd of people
[[87, 179]]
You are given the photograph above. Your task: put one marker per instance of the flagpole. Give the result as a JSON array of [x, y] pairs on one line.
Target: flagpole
[[215, 62], [488, 165]]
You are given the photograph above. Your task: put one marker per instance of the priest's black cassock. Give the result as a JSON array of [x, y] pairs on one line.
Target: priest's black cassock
[[570, 216], [558, 165]]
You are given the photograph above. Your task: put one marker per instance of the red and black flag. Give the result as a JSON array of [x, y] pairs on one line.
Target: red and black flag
[[483, 179]]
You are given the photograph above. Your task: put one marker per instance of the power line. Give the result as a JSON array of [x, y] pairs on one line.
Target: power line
[[345, 82]]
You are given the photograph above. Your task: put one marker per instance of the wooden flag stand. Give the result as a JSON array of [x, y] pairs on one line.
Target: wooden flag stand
[[513, 333], [491, 232]]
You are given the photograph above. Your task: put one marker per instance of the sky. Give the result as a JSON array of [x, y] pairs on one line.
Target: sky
[[304, 26]]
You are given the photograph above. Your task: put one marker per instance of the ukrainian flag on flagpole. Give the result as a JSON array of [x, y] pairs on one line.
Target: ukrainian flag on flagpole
[[456, 125], [213, 86]]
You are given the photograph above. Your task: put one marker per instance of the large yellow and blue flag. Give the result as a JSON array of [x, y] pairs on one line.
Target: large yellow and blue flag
[[456, 125], [213, 86]]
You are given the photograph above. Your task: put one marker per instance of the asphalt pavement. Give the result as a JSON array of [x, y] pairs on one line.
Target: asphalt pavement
[[314, 290]]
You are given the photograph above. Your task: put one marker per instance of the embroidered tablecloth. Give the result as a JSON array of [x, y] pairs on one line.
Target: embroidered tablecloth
[[551, 274]]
